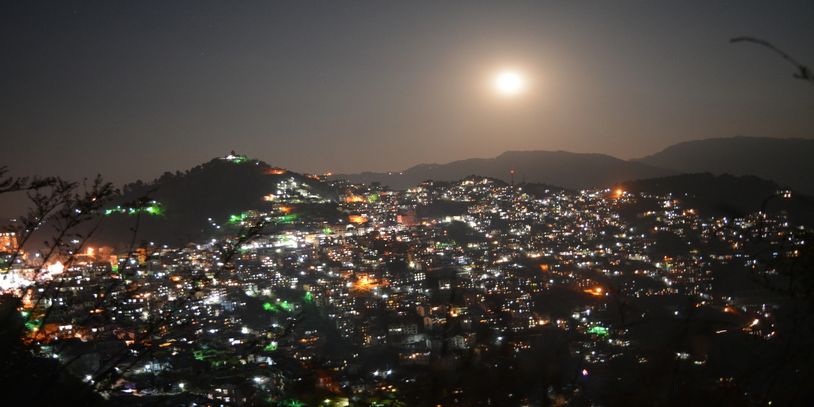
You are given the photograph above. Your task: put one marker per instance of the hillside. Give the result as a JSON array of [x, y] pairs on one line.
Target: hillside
[[565, 169], [727, 195], [785, 161], [216, 189]]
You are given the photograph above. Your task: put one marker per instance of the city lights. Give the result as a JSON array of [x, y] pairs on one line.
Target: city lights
[[367, 203], [384, 273]]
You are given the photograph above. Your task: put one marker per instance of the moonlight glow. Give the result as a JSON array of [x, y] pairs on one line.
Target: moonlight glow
[[509, 83]]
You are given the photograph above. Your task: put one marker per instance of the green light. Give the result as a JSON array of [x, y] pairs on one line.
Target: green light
[[203, 354], [237, 159], [308, 297], [114, 267], [238, 218], [271, 347], [373, 198], [327, 231], [33, 325], [111, 211], [598, 330], [281, 305], [286, 306], [288, 218], [154, 209], [292, 403]]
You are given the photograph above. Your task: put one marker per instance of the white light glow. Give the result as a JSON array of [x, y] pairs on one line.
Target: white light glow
[[509, 83]]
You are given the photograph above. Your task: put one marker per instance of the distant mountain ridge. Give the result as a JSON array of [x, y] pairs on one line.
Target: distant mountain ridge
[[786, 161], [561, 168]]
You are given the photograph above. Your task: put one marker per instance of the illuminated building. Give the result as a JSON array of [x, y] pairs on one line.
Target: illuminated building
[[357, 219], [8, 242]]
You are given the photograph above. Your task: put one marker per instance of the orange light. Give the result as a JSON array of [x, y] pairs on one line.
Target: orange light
[[286, 209], [354, 198], [56, 268], [596, 291], [365, 283], [27, 299], [544, 267], [89, 251], [357, 219], [275, 171]]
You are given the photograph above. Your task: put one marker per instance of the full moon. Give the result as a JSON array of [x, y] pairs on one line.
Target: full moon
[[509, 83]]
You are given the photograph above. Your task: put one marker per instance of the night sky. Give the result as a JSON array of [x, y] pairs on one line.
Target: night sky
[[133, 89]]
